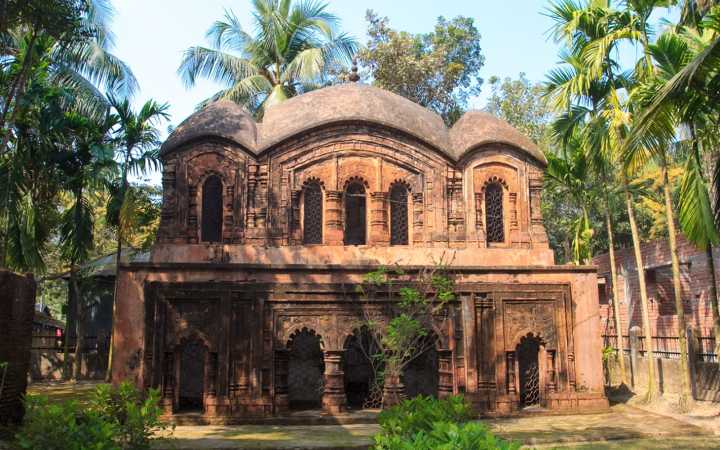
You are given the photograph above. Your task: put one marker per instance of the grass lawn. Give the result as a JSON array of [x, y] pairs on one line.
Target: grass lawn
[[64, 391]]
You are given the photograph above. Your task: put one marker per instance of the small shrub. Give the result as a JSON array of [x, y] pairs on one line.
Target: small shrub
[[427, 423], [115, 418]]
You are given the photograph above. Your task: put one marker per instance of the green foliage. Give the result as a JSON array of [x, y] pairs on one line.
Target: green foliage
[[116, 418], [439, 70], [520, 103], [296, 46], [428, 423]]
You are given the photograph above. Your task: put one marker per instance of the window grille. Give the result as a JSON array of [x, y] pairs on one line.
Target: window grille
[[398, 215], [494, 213], [355, 215], [312, 214], [211, 227]]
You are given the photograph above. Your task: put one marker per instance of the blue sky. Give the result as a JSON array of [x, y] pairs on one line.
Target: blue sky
[[152, 34]]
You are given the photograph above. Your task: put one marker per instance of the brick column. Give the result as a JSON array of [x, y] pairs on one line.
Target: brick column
[[445, 376], [333, 233], [334, 395], [418, 211], [379, 229], [166, 403], [282, 401]]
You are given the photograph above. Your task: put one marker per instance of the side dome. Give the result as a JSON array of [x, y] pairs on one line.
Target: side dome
[[221, 119], [476, 128], [351, 102]]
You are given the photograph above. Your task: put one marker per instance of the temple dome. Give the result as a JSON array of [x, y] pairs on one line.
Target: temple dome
[[478, 128], [221, 119], [350, 102]]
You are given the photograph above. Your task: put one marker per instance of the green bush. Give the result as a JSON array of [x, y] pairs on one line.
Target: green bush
[[429, 424], [116, 418]]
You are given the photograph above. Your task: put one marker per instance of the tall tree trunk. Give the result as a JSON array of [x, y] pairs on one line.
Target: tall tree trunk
[[79, 320], [652, 388], [66, 339], [712, 293], [685, 377], [118, 256], [615, 298]]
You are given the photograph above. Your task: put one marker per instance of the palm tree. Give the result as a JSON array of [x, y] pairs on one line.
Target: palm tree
[[292, 51], [569, 173], [138, 141], [87, 164], [683, 92]]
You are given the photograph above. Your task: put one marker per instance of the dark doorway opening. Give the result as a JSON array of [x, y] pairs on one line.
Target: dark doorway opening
[[306, 368], [212, 210], [355, 215], [528, 366], [420, 377], [192, 376], [360, 388]]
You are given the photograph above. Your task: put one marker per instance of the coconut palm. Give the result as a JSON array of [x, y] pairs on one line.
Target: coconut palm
[[87, 164], [683, 93], [138, 141], [292, 51]]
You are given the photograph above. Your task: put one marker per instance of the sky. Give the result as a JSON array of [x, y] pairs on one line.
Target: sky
[[151, 36]]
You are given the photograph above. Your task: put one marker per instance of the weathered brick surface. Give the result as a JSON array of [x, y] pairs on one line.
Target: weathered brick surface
[[17, 300], [696, 280]]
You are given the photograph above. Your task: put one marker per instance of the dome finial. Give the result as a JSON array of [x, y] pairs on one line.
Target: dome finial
[[354, 77]]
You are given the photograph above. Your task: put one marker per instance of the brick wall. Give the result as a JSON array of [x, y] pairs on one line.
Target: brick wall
[[17, 301], [695, 276]]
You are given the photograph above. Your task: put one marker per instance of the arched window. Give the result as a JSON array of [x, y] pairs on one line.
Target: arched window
[[355, 216], [398, 215], [312, 214], [212, 210], [494, 213]]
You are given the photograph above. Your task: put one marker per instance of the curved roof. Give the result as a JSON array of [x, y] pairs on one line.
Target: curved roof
[[477, 128], [224, 119], [343, 103]]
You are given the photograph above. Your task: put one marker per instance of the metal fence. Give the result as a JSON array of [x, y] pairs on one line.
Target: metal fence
[[667, 347], [51, 342]]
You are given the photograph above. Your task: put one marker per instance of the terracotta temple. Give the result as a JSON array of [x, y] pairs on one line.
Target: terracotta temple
[[246, 307]]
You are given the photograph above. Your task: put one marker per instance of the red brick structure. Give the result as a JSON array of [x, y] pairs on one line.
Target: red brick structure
[[17, 307], [695, 277], [248, 303]]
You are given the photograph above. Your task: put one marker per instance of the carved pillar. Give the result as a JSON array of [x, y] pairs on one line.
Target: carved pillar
[[445, 376], [333, 399], [168, 383], [480, 219], [455, 207], [295, 228], [511, 373], [379, 229], [550, 366], [418, 212], [537, 229], [571, 371], [282, 401], [393, 391], [212, 374], [333, 218]]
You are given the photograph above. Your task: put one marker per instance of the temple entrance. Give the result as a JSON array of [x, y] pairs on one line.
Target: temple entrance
[[360, 388], [529, 370], [306, 369], [420, 377], [192, 376]]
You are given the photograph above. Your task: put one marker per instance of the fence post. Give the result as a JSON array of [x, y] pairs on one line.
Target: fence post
[[634, 335], [694, 349]]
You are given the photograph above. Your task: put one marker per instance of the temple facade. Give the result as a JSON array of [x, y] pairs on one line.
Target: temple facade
[[247, 305]]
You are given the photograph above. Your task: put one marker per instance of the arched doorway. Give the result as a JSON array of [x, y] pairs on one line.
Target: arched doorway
[[191, 388], [212, 210], [421, 376], [528, 357], [360, 389], [305, 370]]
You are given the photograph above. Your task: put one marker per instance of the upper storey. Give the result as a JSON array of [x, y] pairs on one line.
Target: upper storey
[[350, 165]]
